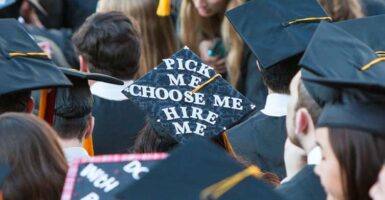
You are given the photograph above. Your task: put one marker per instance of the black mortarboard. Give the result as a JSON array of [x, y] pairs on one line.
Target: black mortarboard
[[102, 177], [368, 30], [4, 171], [23, 65], [276, 30], [190, 169], [335, 59], [185, 97]]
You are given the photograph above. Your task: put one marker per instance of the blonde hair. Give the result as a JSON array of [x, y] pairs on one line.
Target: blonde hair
[[341, 10], [195, 28], [157, 33]]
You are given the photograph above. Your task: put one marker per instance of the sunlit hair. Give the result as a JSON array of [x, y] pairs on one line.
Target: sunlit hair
[[157, 33], [341, 10], [194, 29]]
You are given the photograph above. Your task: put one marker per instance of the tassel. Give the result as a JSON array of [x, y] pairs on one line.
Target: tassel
[[228, 145], [164, 8]]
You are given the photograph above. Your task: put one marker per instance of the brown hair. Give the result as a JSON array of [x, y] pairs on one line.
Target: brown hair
[[341, 10], [158, 34], [195, 29], [110, 44], [30, 147], [361, 156], [15, 102], [306, 101]]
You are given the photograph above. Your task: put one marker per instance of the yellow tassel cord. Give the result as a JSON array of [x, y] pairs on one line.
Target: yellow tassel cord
[[32, 54], [88, 144], [310, 19], [205, 83], [375, 61], [228, 145], [218, 189], [1, 195], [43, 103], [164, 8], [381, 53]]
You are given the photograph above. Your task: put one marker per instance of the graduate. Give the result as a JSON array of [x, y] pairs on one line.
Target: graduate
[[73, 120], [305, 106], [349, 130], [277, 41], [108, 43]]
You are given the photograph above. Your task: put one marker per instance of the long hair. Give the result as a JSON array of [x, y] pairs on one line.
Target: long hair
[[31, 148], [341, 10], [157, 33], [361, 156], [194, 29]]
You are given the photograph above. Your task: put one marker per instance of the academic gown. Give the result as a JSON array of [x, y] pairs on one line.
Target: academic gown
[[261, 140], [373, 7], [117, 124], [251, 84], [303, 186]]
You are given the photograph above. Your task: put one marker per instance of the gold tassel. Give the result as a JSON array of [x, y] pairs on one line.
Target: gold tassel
[[164, 8], [32, 54], [310, 19], [375, 61], [205, 83], [228, 145], [218, 189]]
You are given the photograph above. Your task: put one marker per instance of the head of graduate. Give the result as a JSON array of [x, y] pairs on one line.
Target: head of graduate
[[349, 129], [108, 44]]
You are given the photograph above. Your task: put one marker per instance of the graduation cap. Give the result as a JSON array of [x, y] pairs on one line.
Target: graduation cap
[[66, 98], [185, 97], [335, 59], [366, 30], [23, 65], [4, 172], [101, 177], [190, 169], [277, 30]]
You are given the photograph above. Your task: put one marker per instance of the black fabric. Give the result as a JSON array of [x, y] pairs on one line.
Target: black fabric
[[251, 84], [261, 141], [4, 172], [304, 185], [374, 7], [191, 168], [117, 124], [24, 72], [264, 27], [76, 12]]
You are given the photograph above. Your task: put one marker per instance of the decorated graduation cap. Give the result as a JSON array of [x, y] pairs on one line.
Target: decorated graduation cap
[[23, 65], [277, 30], [76, 102], [338, 60], [185, 97], [101, 177], [190, 169], [4, 171]]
